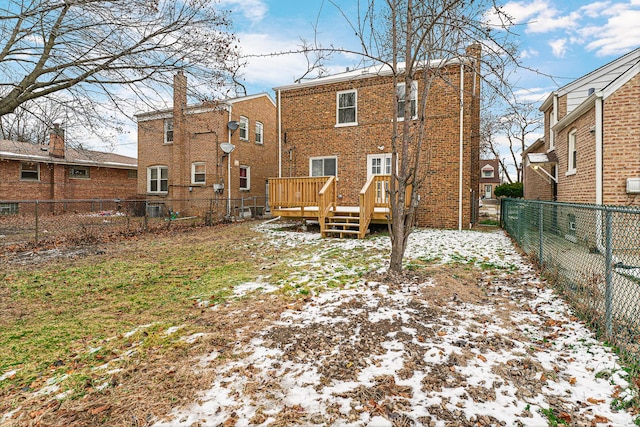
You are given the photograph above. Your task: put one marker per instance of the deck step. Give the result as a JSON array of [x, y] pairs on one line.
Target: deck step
[[343, 224], [337, 231]]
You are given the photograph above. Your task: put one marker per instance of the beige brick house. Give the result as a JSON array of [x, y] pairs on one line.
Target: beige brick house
[[340, 126], [55, 172], [182, 160], [591, 147]]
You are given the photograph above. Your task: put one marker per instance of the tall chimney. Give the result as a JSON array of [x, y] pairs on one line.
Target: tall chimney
[[179, 93], [56, 142]]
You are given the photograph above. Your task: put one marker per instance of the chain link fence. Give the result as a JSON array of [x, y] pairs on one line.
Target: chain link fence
[[36, 223], [592, 254]]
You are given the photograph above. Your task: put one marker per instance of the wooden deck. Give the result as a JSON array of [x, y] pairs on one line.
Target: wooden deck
[[315, 198]]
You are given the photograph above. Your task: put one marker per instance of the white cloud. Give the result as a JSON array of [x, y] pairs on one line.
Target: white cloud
[[529, 53], [253, 10], [620, 34], [558, 47], [595, 10]]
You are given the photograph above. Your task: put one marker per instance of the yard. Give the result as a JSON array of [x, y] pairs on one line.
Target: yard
[[265, 324]]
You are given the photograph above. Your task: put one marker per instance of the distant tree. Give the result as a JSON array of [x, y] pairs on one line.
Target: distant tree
[[513, 190], [88, 51]]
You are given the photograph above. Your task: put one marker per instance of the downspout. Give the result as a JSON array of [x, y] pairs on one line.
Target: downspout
[[229, 167], [279, 135], [599, 172], [461, 147]]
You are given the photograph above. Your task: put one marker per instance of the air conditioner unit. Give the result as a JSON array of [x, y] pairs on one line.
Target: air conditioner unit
[[633, 185]]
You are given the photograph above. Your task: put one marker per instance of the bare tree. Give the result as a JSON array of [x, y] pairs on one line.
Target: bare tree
[[515, 124], [73, 51]]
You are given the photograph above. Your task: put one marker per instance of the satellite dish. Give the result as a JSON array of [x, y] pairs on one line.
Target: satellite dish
[[233, 125], [227, 148]]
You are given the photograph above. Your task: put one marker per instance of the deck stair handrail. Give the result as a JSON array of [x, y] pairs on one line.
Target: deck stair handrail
[[327, 201], [367, 203]]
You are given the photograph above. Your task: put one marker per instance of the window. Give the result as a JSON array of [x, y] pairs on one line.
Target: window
[[198, 173], [347, 107], [168, 131], [259, 133], [132, 174], [158, 179], [378, 164], [572, 161], [244, 128], [79, 172], [30, 171], [8, 208], [245, 178], [487, 172], [323, 166], [402, 95]]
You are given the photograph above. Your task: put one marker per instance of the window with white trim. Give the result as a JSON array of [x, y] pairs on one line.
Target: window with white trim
[[401, 93], [245, 178], [487, 171], [378, 164], [347, 107], [259, 133], [158, 179], [168, 131], [198, 173], [29, 171], [323, 166], [79, 172], [244, 128], [572, 156]]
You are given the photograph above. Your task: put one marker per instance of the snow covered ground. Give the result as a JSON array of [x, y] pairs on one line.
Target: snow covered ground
[[476, 339]]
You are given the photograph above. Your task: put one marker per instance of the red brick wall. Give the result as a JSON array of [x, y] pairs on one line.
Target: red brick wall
[[536, 187], [579, 187], [621, 158], [55, 184], [197, 138], [309, 119]]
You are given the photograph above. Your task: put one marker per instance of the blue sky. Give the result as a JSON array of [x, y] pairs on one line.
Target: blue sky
[[563, 39]]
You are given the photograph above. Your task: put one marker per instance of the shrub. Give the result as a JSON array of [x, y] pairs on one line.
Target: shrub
[[513, 190]]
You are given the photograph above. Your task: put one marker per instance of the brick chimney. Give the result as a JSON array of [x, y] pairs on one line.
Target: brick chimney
[[56, 142], [179, 93]]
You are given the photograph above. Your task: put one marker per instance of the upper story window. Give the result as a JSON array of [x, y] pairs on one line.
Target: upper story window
[[158, 179], [245, 177], [552, 122], [259, 133], [30, 171], [198, 173], [79, 172], [401, 93], [347, 107], [244, 128], [487, 172], [168, 131], [323, 166], [572, 156]]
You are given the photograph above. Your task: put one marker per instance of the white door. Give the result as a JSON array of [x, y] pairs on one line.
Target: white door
[[379, 164], [487, 191]]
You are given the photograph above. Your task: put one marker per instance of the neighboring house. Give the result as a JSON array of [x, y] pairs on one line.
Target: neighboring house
[[181, 153], [591, 147], [489, 178], [55, 172], [341, 126]]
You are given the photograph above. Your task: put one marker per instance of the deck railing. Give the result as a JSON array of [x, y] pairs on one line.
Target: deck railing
[[369, 196], [327, 201], [297, 192]]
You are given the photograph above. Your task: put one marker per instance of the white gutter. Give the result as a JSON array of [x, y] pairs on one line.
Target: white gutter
[[599, 150], [461, 147], [279, 135]]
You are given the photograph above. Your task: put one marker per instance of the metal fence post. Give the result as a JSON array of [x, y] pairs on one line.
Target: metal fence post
[[37, 224], [540, 233], [609, 272]]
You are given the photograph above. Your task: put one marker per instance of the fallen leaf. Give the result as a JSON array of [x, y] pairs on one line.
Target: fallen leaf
[[481, 357], [594, 401], [572, 380], [99, 409], [601, 420], [566, 417], [543, 377], [442, 333]]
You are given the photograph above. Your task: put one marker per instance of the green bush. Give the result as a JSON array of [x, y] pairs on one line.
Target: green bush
[[513, 190]]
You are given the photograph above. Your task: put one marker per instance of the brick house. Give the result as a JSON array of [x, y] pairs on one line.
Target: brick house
[[489, 178], [55, 172], [181, 153], [591, 147], [341, 126]]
